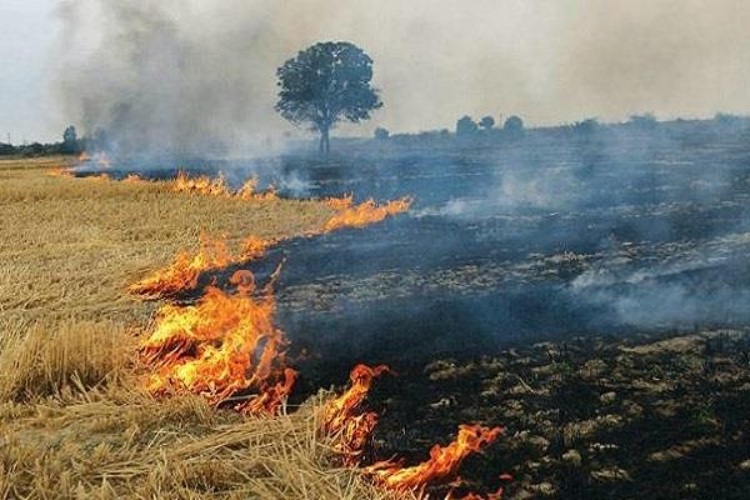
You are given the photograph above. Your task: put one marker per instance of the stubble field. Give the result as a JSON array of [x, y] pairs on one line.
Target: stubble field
[[73, 421]]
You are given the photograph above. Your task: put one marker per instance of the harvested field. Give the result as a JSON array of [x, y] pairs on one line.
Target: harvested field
[[73, 423]]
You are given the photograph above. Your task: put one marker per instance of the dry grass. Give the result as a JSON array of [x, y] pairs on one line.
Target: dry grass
[[71, 246], [118, 444], [68, 356], [73, 423]]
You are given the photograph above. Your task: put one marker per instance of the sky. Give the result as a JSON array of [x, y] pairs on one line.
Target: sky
[[195, 67]]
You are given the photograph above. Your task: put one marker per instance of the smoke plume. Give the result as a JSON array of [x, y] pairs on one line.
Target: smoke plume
[[193, 76]]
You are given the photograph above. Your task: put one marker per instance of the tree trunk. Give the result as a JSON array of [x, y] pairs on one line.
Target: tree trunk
[[325, 140]]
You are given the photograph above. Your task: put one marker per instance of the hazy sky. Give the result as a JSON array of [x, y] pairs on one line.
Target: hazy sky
[[550, 61]]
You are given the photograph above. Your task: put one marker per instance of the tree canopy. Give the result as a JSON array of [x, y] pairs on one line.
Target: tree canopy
[[325, 84], [466, 127]]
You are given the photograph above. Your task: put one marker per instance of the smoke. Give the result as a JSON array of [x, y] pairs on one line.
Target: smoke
[[190, 76], [166, 76]]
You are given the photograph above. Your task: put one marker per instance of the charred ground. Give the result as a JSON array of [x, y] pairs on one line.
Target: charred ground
[[588, 292]]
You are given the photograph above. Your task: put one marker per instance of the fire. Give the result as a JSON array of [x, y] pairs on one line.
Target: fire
[[443, 463], [83, 157], [185, 270], [344, 417], [60, 172], [217, 186], [102, 160], [255, 247], [249, 192], [202, 185], [99, 178], [134, 179], [341, 203], [366, 213], [222, 347]]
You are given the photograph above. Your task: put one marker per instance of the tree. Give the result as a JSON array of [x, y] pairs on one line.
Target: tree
[[646, 121], [587, 126], [513, 126], [70, 140], [325, 84], [487, 123], [465, 127], [382, 133]]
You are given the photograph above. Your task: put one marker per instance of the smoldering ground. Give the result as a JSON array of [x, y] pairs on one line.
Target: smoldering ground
[[548, 235], [618, 232]]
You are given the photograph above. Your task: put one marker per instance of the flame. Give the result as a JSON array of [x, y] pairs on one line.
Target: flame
[[202, 185], [341, 203], [223, 346], [249, 192], [183, 274], [217, 186], [102, 160], [185, 270], [368, 212], [83, 157], [255, 247], [344, 417], [60, 172], [134, 179], [443, 463], [99, 178]]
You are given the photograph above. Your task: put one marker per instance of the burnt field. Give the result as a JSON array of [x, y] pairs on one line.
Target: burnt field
[[529, 287], [587, 291]]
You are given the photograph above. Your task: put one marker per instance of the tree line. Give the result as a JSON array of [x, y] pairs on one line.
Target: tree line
[[71, 144], [331, 82]]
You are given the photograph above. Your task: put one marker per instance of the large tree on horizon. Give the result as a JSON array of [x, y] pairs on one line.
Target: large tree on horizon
[[325, 84]]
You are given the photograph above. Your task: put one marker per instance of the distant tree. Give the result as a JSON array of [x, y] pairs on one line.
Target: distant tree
[[466, 127], [381, 133], [645, 121], [70, 140], [33, 149], [327, 83], [7, 149], [513, 126], [727, 119], [487, 123], [586, 126]]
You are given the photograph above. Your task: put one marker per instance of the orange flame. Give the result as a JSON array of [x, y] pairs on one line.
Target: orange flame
[[185, 270], [134, 179], [221, 346], [366, 213], [255, 247], [249, 192], [202, 185], [84, 156], [344, 417], [99, 178], [217, 186], [339, 204], [443, 463], [60, 172], [102, 160]]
